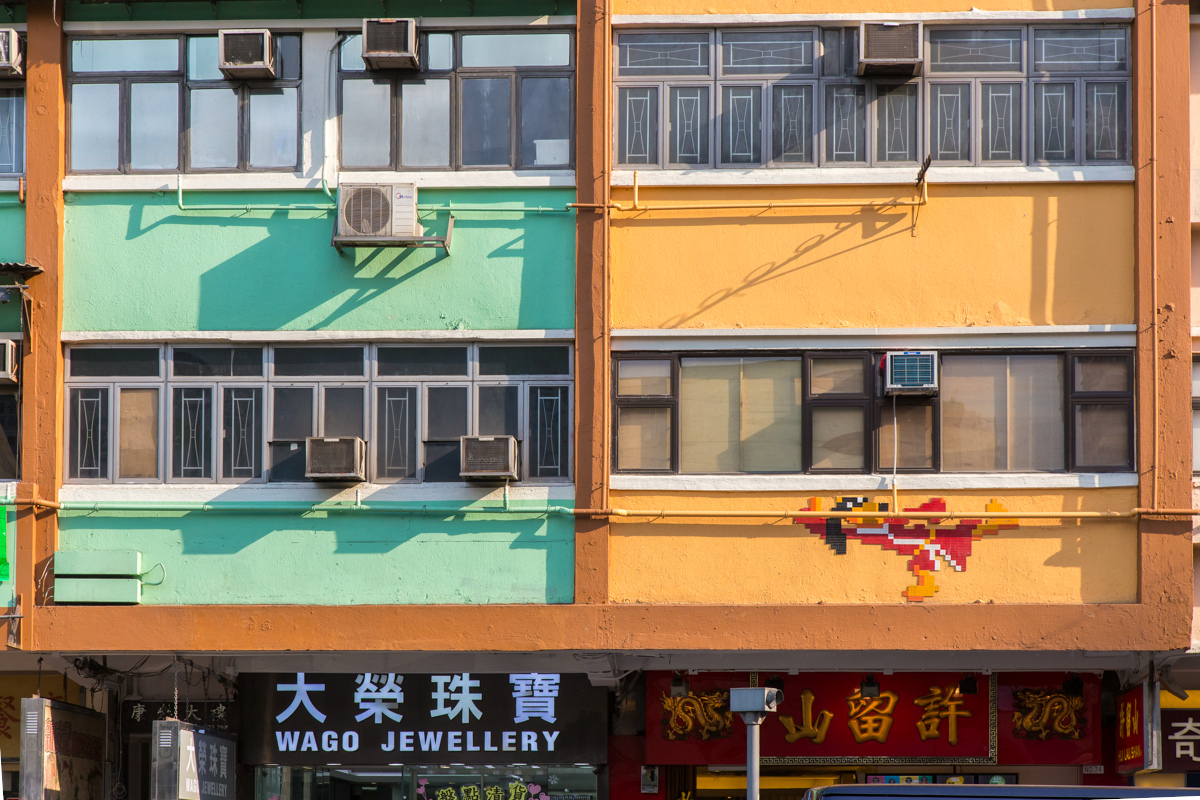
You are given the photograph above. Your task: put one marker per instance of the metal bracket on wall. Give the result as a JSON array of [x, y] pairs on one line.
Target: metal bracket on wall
[[14, 623], [342, 242]]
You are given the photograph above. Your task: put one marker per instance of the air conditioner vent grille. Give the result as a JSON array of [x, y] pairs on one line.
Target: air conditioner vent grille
[[245, 48], [483, 455], [335, 456], [892, 42], [912, 372], [367, 211], [386, 36]]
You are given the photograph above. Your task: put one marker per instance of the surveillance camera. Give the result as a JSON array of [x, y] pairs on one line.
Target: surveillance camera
[[759, 699]]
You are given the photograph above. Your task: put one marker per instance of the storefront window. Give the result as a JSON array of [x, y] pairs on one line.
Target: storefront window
[[426, 783]]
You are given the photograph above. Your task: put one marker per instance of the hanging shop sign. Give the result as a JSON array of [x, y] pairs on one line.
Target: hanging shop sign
[[826, 718], [1138, 730], [191, 763], [16, 686], [374, 719], [1180, 739], [1049, 718], [62, 751], [139, 716]]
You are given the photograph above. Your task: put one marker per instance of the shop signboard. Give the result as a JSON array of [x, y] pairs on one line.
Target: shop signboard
[[62, 751], [191, 763], [1049, 718], [826, 718], [376, 719], [1180, 739], [138, 716], [1138, 730]]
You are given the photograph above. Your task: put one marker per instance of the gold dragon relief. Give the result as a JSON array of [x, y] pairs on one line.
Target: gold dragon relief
[[1039, 714], [697, 716]]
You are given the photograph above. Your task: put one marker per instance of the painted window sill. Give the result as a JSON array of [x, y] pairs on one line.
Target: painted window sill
[[179, 337], [869, 483], [311, 493], [10, 183], [882, 176], [275, 181]]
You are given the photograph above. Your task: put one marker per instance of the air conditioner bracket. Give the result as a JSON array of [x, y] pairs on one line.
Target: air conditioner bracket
[[342, 242]]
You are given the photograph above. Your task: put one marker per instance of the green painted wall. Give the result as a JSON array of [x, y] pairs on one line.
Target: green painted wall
[[344, 559], [312, 9], [134, 261]]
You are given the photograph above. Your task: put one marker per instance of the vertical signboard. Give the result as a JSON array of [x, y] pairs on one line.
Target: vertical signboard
[[191, 763], [62, 751], [1138, 730]]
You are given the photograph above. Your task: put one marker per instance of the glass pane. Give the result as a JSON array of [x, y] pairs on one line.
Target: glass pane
[[154, 126], [203, 59], [518, 360], [422, 361], [950, 118], [837, 376], [292, 413], [792, 123], [896, 121], [351, 54], [137, 452], [1195, 440], [974, 51], [486, 122], [191, 433], [95, 126], [1000, 108], [343, 412], [89, 434], [318, 361], [397, 446], [1036, 425], [908, 443], [217, 361], [1102, 436], [273, 128], [1106, 107], [97, 362], [366, 123], [545, 122], [1079, 49], [770, 415], [125, 55], [1196, 379], [687, 136], [640, 378], [831, 52], [443, 461], [425, 124], [637, 132], [10, 423], [549, 425], [446, 416], [643, 438], [516, 50], [213, 133], [498, 414], [846, 123], [1104, 374], [242, 436], [838, 438], [662, 54], [12, 131], [439, 51], [287, 54], [741, 124], [775, 52], [1054, 121]]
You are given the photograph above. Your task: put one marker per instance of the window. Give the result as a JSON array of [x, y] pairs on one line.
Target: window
[[793, 97], [1196, 417], [826, 412], [486, 100], [12, 130], [235, 414], [162, 105]]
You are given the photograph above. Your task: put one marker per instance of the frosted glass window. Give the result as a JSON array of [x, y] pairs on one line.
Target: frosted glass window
[[836, 376], [846, 122], [366, 123], [213, 139], [154, 126], [95, 126], [1054, 121], [1105, 374], [545, 122], [688, 135], [1080, 49], [974, 51], [838, 437], [273, 128], [663, 54], [516, 50], [203, 59], [644, 438], [643, 378], [351, 54], [138, 445], [12, 131], [773, 52], [896, 122], [1102, 436], [425, 124], [741, 124], [439, 51], [637, 125], [486, 122], [1106, 107], [950, 119], [905, 437], [125, 55], [1000, 121], [792, 123]]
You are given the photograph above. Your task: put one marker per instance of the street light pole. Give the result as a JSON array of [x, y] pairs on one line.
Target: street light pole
[[752, 752]]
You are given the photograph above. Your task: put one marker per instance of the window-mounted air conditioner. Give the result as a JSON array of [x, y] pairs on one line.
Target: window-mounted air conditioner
[[9, 353], [336, 459], [390, 43], [376, 213], [488, 457], [911, 372], [246, 53], [10, 52], [889, 48]]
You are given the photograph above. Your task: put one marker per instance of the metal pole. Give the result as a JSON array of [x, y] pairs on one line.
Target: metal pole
[[752, 761]]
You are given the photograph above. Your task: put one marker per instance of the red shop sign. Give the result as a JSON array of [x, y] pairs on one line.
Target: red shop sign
[[1138, 730], [826, 719], [1049, 718]]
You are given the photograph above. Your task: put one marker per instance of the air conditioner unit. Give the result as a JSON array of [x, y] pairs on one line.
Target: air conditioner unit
[[488, 457], [340, 459], [911, 372], [10, 52], [889, 48], [9, 355], [390, 43], [376, 213], [246, 53]]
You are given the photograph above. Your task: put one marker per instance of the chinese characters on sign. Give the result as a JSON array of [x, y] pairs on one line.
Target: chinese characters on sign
[[1180, 735], [1138, 729]]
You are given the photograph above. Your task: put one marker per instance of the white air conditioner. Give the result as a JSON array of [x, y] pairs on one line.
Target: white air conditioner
[[390, 43], [246, 53], [488, 457], [9, 355], [376, 212], [340, 459], [10, 52], [911, 372], [889, 48]]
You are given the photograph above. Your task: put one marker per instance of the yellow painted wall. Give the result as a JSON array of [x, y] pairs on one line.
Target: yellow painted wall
[[747, 561], [999, 254], [865, 6]]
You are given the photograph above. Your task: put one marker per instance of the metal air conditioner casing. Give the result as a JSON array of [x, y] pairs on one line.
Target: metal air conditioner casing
[[10, 52], [376, 213], [390, 43], [8, 361], [911, 372], [335, 459], [890, 48], [246, 53], [488, 457]]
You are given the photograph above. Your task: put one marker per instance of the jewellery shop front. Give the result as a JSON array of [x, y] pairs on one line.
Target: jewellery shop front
[[391, 736]]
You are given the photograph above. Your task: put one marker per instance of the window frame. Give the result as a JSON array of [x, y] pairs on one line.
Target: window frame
[[22, 128], [1195, 408], [670, 402], [1076, 397], [860, 400]]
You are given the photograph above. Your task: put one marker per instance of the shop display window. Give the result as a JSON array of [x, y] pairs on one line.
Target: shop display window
[[426, 783]]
